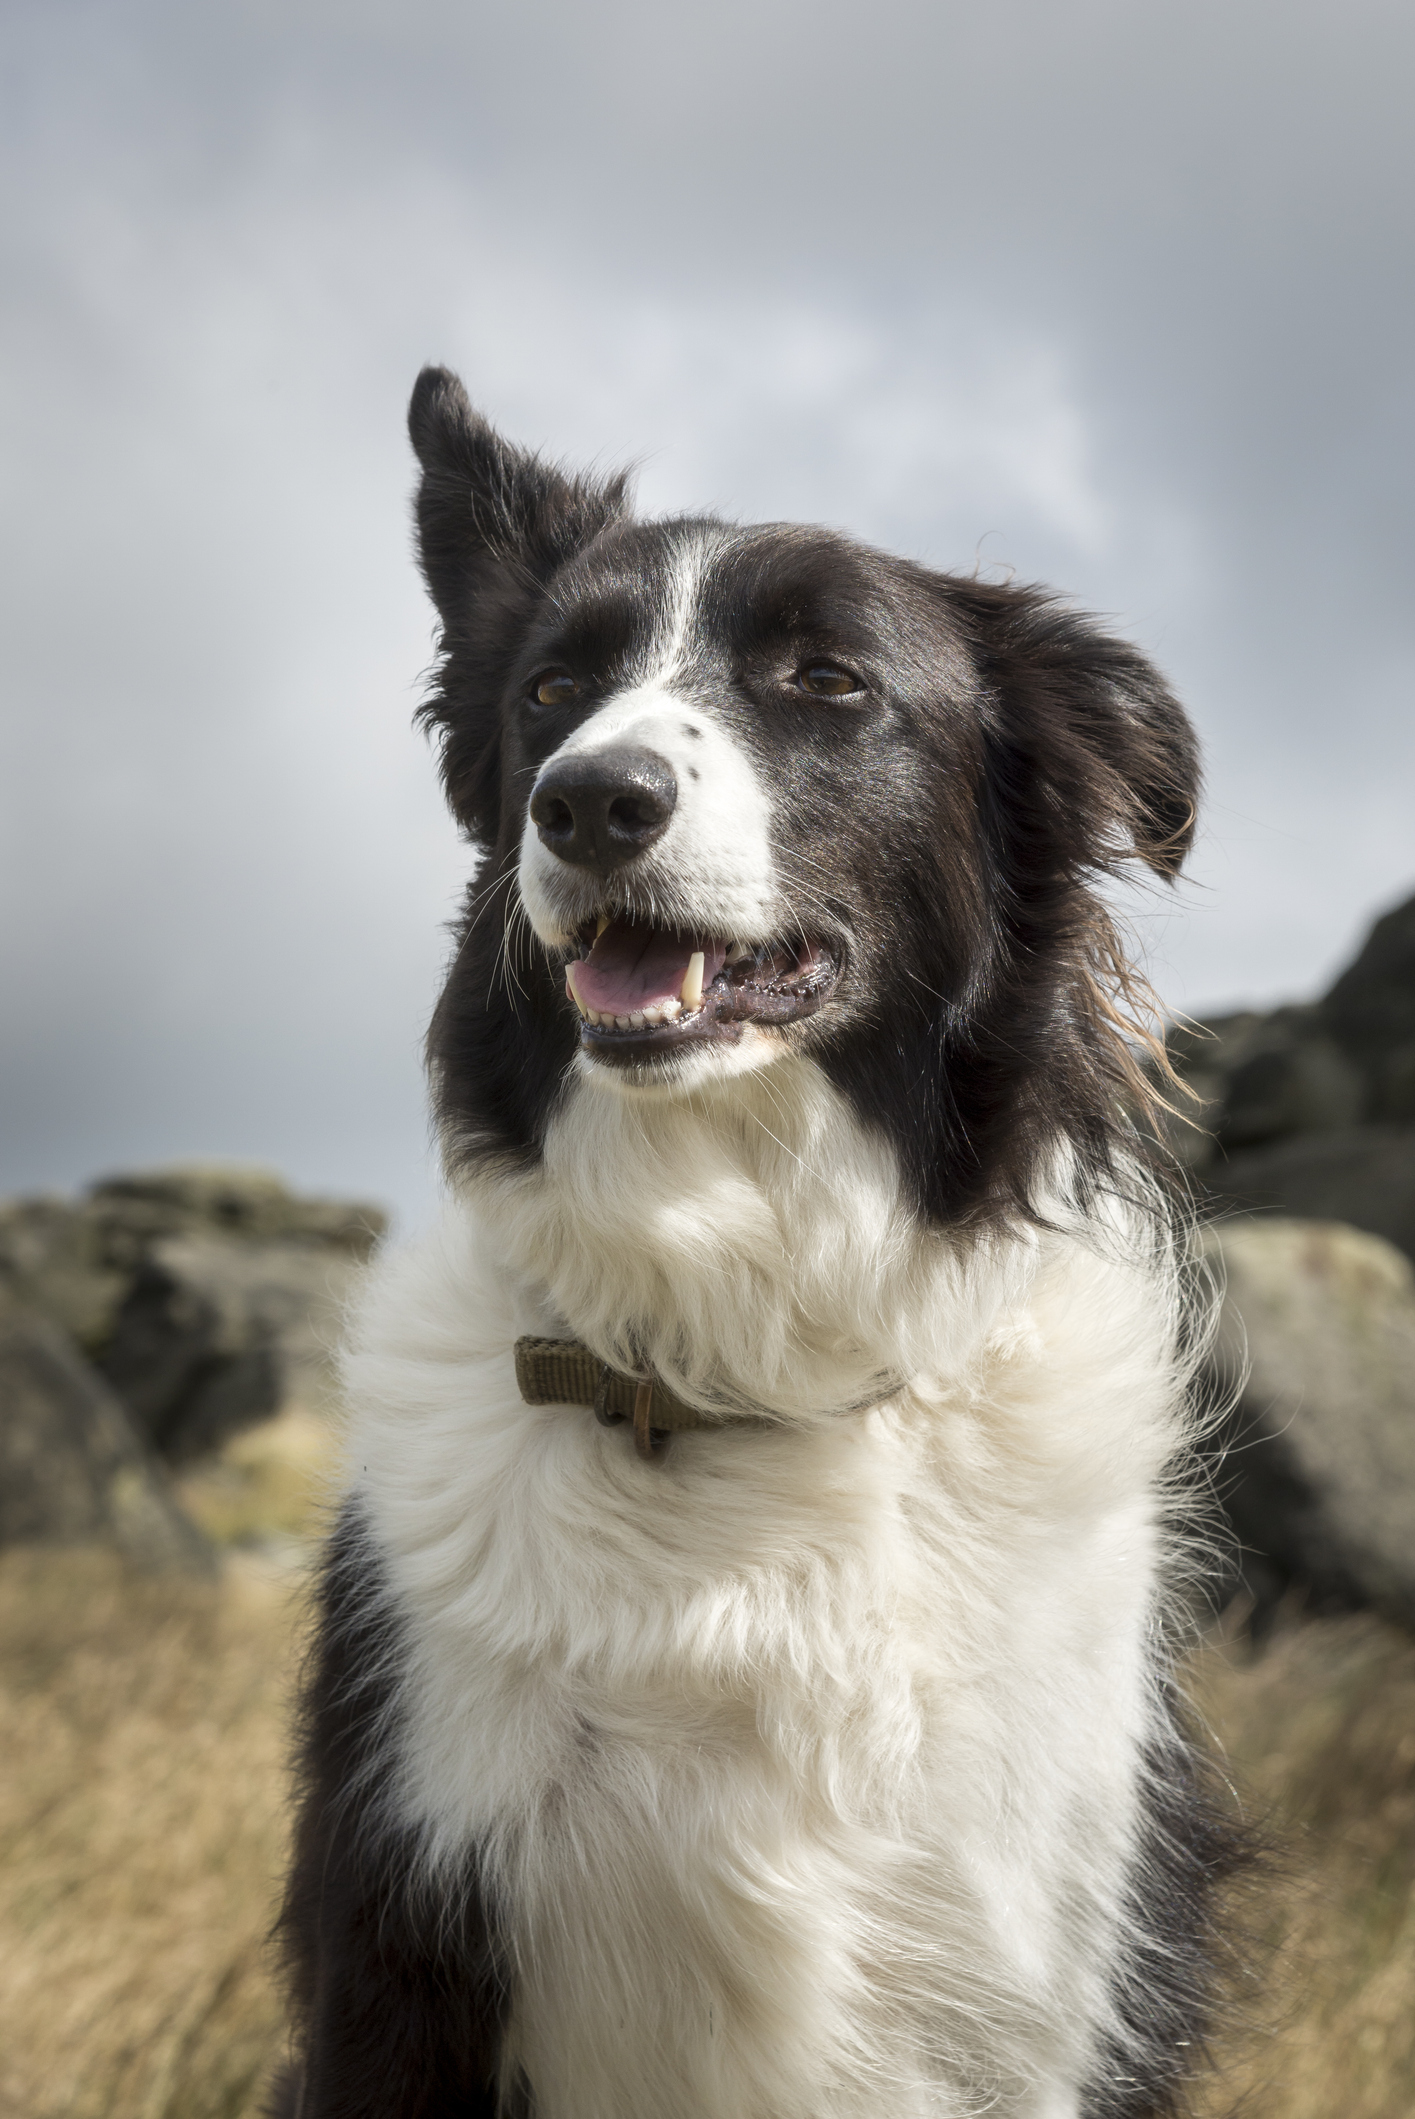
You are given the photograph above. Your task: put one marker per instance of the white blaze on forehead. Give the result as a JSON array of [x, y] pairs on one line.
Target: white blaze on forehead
[[713, 867], [667, 653]]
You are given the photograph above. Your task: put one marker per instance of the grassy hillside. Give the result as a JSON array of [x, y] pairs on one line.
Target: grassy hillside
[[141, 1833], [1319, 1732], [140, 1838]]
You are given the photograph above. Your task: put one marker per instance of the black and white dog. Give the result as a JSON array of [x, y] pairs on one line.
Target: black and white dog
[[793, 1739]]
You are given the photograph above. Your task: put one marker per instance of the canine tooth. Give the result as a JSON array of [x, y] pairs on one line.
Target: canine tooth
[[570, 989], [691, 990], [601, 923]]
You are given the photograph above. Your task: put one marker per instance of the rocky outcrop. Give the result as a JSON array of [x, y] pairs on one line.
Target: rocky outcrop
[[1311, 1110], [1318, 1479], [1370, 1016], [216, 1332], [205, 1295], [72, 1470], [1364, 1175]]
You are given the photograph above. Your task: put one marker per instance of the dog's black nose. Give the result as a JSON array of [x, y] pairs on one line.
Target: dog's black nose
[[604, 809]]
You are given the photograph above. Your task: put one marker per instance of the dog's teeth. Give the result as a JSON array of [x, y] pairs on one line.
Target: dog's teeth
[[623, 1022], [600, 924], [638, 1018], [738, 953], [570, 989], [668, 1009], [653, 1017], [691, 990]]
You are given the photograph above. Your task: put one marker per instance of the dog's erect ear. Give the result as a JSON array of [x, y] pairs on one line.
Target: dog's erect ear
[[1097, 731], [486, 507], [494, 524]]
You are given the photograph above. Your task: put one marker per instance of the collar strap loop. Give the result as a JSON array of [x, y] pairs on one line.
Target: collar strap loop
[[566, 1372]]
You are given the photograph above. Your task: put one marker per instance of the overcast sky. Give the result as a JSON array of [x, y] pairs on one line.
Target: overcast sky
[[1113, 293]]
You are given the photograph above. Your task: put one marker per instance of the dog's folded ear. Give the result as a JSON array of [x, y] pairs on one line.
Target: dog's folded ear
[[1089, 764], [1093, 737], [486, 508]]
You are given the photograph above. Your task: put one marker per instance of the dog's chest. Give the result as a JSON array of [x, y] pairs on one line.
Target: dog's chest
[[752, 1609], [756, 1752], [829, 1733]]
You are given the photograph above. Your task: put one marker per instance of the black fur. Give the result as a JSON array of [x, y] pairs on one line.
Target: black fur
[[1192, 1848], [397, 1995], [1010, 756]]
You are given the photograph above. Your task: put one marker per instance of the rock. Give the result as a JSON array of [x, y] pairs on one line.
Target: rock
[[55, 1258], [1296, 1084], [1258, 1078], [208, 1294], [1311, 1109], [1364, 1175], [1370, 1013], [236, 1199], [217, 1332], [1319, 1479], [71, 1468]]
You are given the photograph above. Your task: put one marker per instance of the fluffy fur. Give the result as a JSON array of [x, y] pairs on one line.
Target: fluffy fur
[[826, 1770]]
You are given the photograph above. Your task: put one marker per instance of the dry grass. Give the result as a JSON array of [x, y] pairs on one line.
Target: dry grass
[[140, 1837], [141, 1831], [1319, 1729], [268, 1487]]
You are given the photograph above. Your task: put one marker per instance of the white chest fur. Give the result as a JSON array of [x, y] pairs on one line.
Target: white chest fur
[[805, 1765]]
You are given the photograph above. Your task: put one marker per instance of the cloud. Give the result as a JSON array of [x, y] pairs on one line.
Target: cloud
[[1102, 294]]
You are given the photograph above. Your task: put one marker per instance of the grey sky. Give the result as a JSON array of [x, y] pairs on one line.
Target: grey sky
[[1116, 294]]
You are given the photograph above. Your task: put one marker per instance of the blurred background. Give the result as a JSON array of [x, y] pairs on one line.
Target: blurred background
[[1112, 294]]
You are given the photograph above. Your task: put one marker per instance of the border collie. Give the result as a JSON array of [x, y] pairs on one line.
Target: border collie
[[742, 1684]]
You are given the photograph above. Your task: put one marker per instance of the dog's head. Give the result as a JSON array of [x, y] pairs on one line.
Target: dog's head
[[748, 791]]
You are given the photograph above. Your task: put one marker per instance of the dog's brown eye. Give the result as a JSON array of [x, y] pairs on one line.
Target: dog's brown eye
[[556, 688], [827, 680]]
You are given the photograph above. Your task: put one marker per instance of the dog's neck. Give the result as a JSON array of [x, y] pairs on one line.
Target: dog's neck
[[751, 1243]]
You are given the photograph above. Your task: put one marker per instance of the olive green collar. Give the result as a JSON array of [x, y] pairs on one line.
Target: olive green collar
[[565, 1372]]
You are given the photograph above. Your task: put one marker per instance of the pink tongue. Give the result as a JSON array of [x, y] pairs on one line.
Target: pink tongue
[[637, 967]]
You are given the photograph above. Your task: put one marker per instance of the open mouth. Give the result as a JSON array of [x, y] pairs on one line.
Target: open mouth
[[642, 989]]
